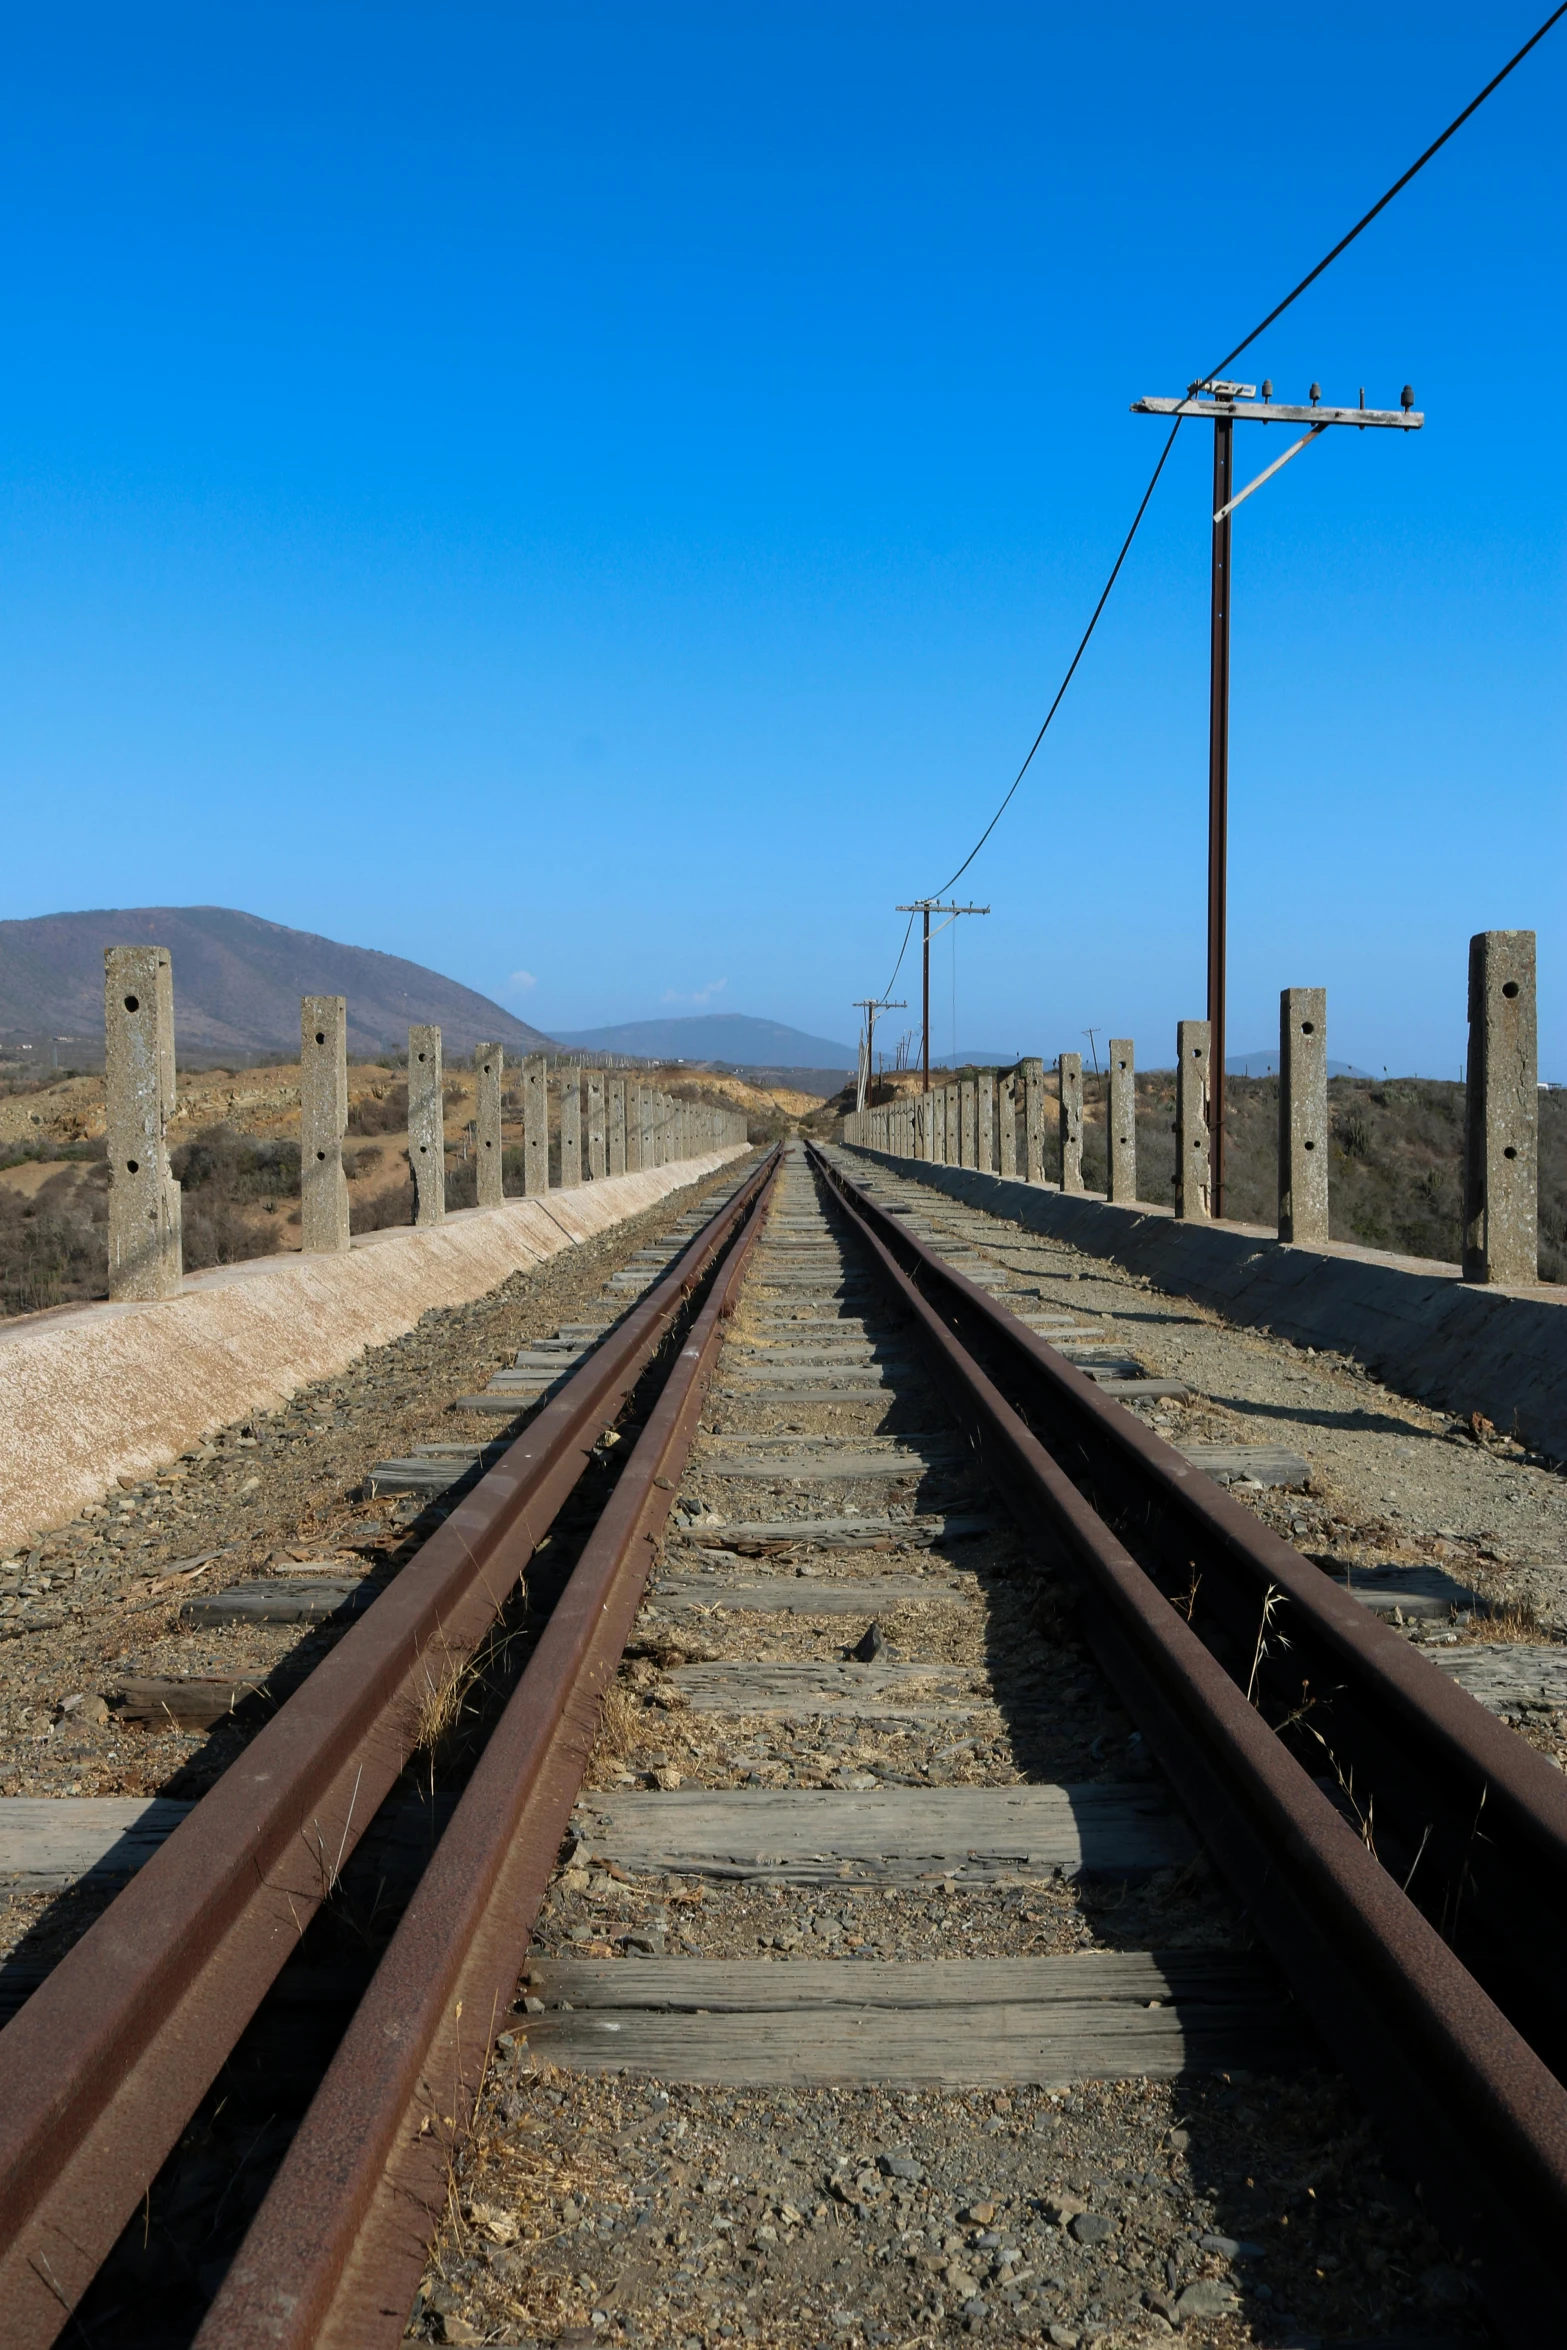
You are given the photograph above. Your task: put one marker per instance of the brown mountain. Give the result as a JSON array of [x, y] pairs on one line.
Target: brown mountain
[[237, 984]]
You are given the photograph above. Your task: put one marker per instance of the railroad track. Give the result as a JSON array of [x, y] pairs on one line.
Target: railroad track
[[839, 1728]]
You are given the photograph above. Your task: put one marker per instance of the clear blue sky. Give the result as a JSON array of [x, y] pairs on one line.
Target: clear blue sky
[[597, 498]]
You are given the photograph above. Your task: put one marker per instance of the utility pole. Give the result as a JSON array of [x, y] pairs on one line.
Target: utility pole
[[870, 1005], [1091, 1034], [927, 907], [1224, 405]]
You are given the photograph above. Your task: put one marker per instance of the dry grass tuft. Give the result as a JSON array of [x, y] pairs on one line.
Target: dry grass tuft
[[438, 1707], [620, 1723], [1516, 1621]]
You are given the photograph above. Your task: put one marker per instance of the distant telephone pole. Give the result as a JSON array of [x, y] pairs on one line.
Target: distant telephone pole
[[1223, 405], [870, 1005], [927, 907]]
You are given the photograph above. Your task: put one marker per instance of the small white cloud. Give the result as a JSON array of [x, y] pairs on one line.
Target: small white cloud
[[521, 980], [701, 995]]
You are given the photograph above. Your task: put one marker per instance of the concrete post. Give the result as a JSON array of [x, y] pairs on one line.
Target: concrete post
[[985, 1121], [1121, 1122], [489, 1063], [1193, 1043], [967, 1111], [593, 1079], [1502, 1110], [1303, 1113], [1069, 1077], [323, 1120], [571, 1129], [618, 1126], [535, 1126], [1033, 1121], [647, 1150], [144, 1199], [426, 1125], [1006, 1123]]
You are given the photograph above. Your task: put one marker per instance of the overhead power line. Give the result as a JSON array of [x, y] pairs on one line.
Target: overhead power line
[[1382, 202], [1277, 311]]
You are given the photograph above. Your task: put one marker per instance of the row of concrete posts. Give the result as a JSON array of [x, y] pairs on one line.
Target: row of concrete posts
[[994, 1119], [610, 1124]]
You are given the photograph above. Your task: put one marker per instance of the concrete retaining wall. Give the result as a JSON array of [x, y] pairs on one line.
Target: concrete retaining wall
[[1418, 1325], [92, 1393]]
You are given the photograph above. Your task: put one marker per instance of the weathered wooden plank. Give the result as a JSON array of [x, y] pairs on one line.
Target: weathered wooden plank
[[1048, 2044], [47, 1840], [1151, 1390], [192, 1703], [1415, 1593], [841, 1394], [907, 1693], [272, 1600], [50, 1841], [1509, 1676], [806, 1595], [748, 1986], [835, 1533], [818, 1467], [888, 1835], [1264, 1464]]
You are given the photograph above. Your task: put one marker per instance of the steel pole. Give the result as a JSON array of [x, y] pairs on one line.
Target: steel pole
[[925, 1025], [1218, 798]]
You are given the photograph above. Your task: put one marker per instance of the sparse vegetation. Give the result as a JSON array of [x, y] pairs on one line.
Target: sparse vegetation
[[1396, 1164], [54, 1247]]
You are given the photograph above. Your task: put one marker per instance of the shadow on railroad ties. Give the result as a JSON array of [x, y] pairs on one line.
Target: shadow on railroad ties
[[1265, 2195]]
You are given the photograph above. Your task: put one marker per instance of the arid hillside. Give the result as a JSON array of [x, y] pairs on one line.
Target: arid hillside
[[235, 1152], [237, 985]]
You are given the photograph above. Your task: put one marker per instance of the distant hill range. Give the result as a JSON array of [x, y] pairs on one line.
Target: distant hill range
[[731, 1037], [237, 985]]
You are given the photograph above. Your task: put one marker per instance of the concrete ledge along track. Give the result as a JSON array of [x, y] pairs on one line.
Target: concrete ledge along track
[[1423, 1947], [105, 2063]]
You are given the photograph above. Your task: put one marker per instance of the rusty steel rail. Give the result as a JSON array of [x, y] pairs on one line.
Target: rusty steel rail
[[1461, 1810], [104, 2065], [335, 2254], [1474, 2111]]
